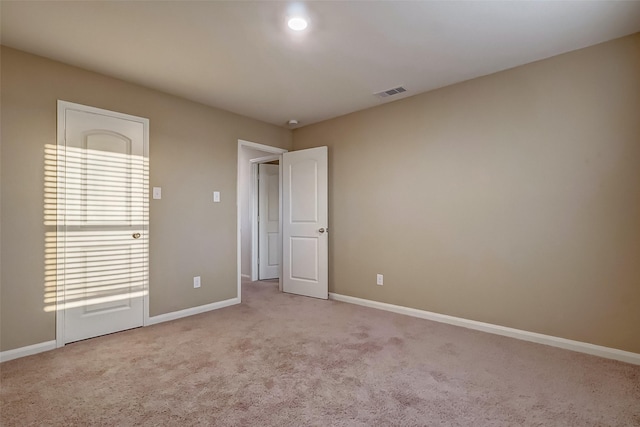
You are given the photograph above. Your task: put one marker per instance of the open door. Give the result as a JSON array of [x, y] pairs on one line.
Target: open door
[[305, 251], [268, 221]]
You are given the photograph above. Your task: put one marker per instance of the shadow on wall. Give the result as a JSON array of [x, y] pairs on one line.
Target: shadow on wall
[[96, 214]]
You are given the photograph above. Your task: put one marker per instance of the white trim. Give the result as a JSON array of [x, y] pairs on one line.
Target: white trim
[[280, 270], [63, 106], [60, 204], [266, 159], [269, 149], [246, 276], [253, 208], [27, 351], [261, 147], [191, 311], [582, 347], [52, 345]]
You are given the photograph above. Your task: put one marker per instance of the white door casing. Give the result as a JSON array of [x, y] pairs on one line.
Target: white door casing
[[269, 221], [103, 227], [305, 222], [242, 158]]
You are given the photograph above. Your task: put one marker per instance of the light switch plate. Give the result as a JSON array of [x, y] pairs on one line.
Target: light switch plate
[[157, 192], [216, 196]]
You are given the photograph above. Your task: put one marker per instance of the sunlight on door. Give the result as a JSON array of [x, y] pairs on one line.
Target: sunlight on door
[[97, 216]]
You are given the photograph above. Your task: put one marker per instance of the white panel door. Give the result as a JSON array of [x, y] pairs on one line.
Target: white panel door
[[103, 250], [268, 221], [305, 252]]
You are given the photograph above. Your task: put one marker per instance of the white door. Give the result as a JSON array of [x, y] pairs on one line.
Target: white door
[[103, 250], [305, 252], [268, 221]]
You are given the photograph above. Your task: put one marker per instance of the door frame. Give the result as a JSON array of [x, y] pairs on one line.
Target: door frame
[[253, 197], [60, 225], [277, 154]]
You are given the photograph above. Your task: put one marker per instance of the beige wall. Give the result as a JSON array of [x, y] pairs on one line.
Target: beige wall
[[193, 151], [512, 199]]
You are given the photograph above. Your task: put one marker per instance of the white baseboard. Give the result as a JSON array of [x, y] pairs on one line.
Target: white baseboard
[[191, 311], [246, 276], [51, 345], [582, 347], [27, 351]]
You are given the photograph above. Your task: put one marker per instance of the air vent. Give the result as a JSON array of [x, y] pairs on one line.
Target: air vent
[[390, 92]]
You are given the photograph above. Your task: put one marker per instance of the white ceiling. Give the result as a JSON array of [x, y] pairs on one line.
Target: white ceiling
[[241, 57]]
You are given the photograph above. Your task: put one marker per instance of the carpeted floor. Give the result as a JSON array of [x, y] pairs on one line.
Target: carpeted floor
[[284, 360]]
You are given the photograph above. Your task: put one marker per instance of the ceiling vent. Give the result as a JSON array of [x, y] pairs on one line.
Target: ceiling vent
[[390, 92]]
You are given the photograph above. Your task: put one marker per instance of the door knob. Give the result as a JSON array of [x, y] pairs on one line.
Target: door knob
[[136, 235], [321, 230]]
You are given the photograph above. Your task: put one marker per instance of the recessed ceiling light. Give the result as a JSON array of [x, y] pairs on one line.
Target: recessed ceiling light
[[297, 23]]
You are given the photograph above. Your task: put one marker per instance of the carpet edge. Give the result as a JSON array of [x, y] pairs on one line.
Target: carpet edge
[[550, 340], [28, 350], [191, 311]]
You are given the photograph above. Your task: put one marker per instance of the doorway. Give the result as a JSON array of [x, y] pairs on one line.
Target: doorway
[[250, 155], [302, 217]]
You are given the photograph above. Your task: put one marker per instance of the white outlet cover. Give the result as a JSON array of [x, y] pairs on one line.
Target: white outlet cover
[[380, 279], [196, 282], [216, 196], [157, 192]]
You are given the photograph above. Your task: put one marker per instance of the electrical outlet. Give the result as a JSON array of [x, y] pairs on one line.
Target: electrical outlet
[[196, 282], [379, 279]]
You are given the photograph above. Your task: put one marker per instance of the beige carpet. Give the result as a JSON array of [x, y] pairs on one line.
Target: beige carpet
[[283, 360]]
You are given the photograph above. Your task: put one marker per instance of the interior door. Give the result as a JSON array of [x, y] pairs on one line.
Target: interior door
[[305, 252], [103, 262], [268, 221]]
